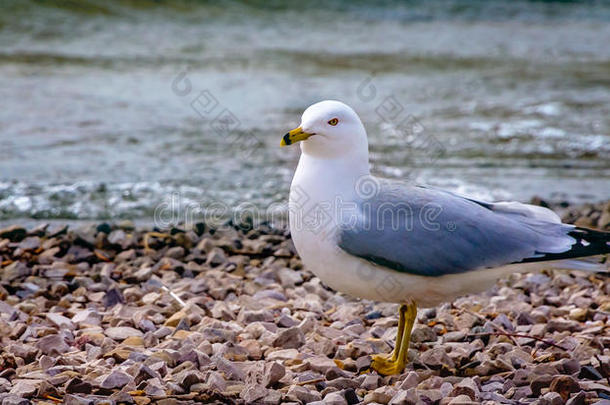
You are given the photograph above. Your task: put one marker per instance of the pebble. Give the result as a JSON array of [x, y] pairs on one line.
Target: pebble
[[291, 338], [262, 329], [303, 394], [335, 398], [466, 387], [122, 332], [116, 379], [564, 385]]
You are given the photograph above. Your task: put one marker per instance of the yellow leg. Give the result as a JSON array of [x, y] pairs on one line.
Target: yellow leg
[[395, 364]]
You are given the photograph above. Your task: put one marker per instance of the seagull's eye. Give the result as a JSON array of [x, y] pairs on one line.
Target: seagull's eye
[[333, 122]]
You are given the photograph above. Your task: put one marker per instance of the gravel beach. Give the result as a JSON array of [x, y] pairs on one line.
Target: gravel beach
[[113, 314]]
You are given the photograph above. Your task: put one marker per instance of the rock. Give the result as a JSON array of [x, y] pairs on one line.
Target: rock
[[249, 316], [552, 398], [122, 332], [381, 395], [578, 399], [116, 379], [216, 382], [303, 394], [274, 371], [292, 338], [25, 351], [78, 386], [410, 381], [118, 237], [564, 385], [321, 364], [230, 370], [60, 321], [363, 363], [87, 317], [285, 354], [24, 388], [578, 314], [343, 383], [175, 319], [214, 335], [370, 382], [46, 362], [334, 398], [286, 321], [423, 334], [14, 400], [590, 373], [289, 277], [176, 252], [570, 366], [466, 387], [113, 297], [454, 336], [562, 325], [405, 397], [335, 372], [14, 233], [543, 381], [462, 400], [216, 257], [436, 358], [253, 393], [52, 345], [29, 243], [188, 378]]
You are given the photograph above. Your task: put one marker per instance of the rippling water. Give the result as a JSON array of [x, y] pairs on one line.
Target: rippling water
[[110, 109]]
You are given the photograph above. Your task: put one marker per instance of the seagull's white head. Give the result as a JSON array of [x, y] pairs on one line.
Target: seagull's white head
[[329, 129]]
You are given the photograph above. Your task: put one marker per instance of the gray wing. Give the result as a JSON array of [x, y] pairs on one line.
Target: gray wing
[[432, 233]]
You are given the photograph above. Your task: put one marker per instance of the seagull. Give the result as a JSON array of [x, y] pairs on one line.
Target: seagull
[[390, 241]]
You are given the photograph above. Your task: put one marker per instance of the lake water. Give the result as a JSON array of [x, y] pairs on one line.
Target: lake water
[[112, 109]]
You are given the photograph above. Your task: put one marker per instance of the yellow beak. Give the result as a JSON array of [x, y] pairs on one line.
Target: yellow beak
[[294, 136]]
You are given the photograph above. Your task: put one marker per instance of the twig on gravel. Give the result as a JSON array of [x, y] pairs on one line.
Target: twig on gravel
[[158, 284], [314, 381], [497, 327], [174, 296]]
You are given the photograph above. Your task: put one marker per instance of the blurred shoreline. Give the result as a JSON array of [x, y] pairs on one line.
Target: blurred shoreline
[[588, 215], [514, 94]]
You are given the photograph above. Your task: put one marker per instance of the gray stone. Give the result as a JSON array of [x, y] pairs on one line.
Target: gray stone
[[14, 400], [53, 345], [24, 388], [552, 398], [116, 379], [274, 371], [334, 398], [303, 394], [122, 332], [466, 387], [292, 338], [253, 393], [60, 321]]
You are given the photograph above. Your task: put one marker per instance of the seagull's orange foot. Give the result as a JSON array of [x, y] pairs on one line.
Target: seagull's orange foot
[[387, 364], [395, 363]]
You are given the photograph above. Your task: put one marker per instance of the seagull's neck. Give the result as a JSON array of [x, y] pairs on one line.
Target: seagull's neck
[[337, 175]]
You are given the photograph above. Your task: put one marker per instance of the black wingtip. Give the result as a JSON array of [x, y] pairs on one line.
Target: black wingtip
[[589, 242]]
